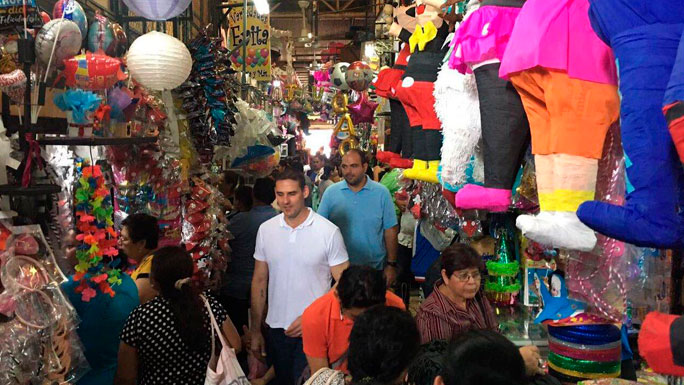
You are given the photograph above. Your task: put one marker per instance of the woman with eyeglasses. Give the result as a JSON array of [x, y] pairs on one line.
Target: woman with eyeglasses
[[458, 305]]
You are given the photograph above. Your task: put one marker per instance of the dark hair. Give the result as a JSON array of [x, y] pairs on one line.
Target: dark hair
[[169, 265], [361, 287], [483, 357], [382, 344], [291, 174], [320, 157], [264, 190], [361, 154], [142, 227], [232, 178], [429, 363], [459, 256], [297, 166], [327, 172], [243, 194]]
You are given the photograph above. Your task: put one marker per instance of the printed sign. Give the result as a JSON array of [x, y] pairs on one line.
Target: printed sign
[[257, 62]]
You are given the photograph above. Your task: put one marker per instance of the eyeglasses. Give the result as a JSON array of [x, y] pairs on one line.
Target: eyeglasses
[[465, 276]]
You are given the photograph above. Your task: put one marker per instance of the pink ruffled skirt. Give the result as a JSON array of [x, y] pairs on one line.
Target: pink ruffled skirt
[[482, 36]]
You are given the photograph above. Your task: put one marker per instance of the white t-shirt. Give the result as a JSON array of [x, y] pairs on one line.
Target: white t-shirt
[[299, 262]]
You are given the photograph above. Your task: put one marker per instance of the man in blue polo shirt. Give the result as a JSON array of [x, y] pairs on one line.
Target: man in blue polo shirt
[[364, 212]]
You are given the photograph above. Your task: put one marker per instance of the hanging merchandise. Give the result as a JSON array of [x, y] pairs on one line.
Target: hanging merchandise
[[362, 110], [14, 13], [659, 342], [93, 71], [80, 107], [58, 40], [71, 10], [566, 159], [415, 91], [503, 282], [478, 46], [14, 85], [338, 76], [101, 36], [258, 46], [358, 76], [159, 10], [159, 61], [651, 214]]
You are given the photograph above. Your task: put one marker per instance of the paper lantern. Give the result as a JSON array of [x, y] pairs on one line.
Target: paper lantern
[[159, 61], [158, 9]]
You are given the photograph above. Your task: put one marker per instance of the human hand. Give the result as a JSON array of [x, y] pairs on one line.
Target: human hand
[[390, 275], [532, 359], [295, 329], [246, 338], [258, 345]]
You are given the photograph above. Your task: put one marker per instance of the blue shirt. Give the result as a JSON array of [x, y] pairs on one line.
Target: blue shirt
[[244, 227], [102, 319], [362, 218]]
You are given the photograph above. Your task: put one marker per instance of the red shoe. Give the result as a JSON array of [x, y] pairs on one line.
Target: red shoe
[[401, 163], [386, 156]]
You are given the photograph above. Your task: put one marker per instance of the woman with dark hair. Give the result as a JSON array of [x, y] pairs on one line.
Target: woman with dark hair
[[168, 340], [138, 239], [482, 357], [383, 343]]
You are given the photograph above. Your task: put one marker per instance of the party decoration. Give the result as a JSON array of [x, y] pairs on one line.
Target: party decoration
[[358, 76], [346, 134], [62, 34], [71, 10], [158, 9], [119, 44], [257, 61], [93, 71], [338, 76], [339, 103], [97, 236], [159, 61], [503, 284], [259, 160], [101, 35], [659, 342], [46, 17], [14, 84], [12, 14], [584, 352], [80, 105], [119, 99], [557, 305], [363, 110]]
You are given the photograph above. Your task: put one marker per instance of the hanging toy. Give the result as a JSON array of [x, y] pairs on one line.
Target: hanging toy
[[93, 71]]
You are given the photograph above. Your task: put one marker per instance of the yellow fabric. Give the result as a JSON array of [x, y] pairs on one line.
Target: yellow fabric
[[418, 166], [144, 267], [582, 375], [564, 200], [422, 35]]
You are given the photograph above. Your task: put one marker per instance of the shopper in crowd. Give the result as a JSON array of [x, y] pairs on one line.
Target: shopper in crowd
[[457, 304], [230, 181], [364, 212], [138, 240], [383, 343], [297, 254], [244, 227], [168, 340], [102, 313], [318, 161], [299, 167], [482, 357], [407, 228], [428, 364], [243, 201], [325, 180], [327, 323]]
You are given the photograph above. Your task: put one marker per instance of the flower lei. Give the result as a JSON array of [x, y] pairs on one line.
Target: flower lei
[[97, 236]]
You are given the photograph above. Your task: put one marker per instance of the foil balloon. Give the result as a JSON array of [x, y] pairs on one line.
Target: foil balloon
[[71, 10], [100, 34], [120, 43], [93, 71], [359, 76], [64, 35], [13, 84], [45, 16], [363, 110], [338, 77], [339, 103]]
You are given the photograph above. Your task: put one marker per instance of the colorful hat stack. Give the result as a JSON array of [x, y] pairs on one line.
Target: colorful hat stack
[[582, 352]]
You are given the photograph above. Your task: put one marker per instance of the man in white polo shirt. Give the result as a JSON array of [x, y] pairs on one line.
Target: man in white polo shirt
[[297, 254]]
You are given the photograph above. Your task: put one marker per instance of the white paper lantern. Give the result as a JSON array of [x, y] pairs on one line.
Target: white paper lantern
[[158, 9], [159, 61]]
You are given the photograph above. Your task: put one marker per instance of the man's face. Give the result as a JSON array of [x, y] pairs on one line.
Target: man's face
[[290, 197], [353, 170]]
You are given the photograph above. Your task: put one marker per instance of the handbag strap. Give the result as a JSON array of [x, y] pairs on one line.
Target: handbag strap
[[214, 324]]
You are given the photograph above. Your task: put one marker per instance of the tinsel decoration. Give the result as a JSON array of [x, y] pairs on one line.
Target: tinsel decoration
[[97, 237]]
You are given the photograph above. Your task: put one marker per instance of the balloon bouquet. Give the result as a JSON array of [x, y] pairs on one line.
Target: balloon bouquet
[[356, 77]]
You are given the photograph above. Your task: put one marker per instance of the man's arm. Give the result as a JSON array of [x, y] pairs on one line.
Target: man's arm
[[336, 271], [145, 290], [392, 243], [316, 364], [259, 288]]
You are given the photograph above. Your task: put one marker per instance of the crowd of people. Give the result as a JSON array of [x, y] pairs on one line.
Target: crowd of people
[[308, 294]]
